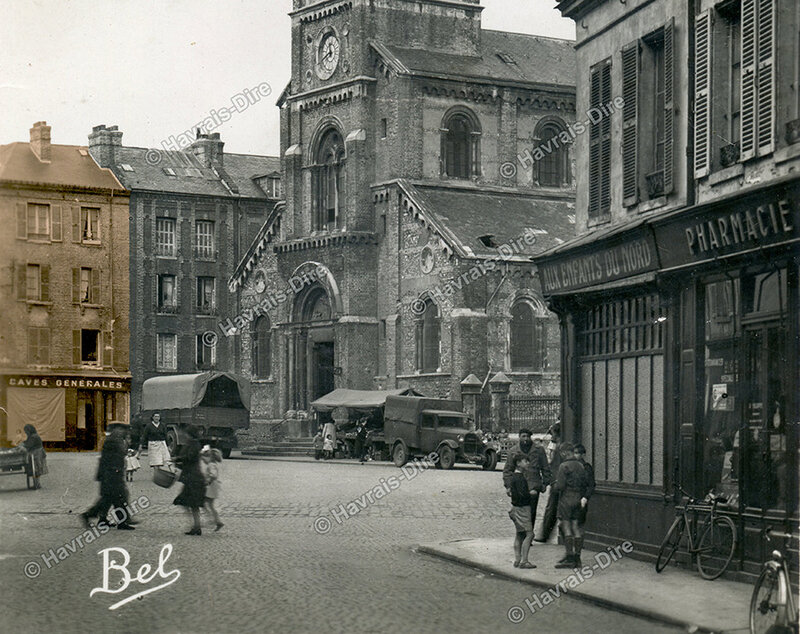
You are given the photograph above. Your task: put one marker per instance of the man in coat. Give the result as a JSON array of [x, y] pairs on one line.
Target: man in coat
[[111, 474], [537, 473]]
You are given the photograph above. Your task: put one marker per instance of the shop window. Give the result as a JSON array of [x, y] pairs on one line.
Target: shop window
[[428, 336], [261, 358], [204, 239], [165, 237], [166, 351], [206, 352], [528, 338]]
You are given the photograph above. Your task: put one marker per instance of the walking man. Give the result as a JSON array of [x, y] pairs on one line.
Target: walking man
[[111, 474], [537, 472]]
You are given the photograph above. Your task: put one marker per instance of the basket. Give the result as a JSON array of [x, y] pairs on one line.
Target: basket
[[164, 477]]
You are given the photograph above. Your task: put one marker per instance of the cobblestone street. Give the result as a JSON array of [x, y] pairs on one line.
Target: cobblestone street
[[269, 569]]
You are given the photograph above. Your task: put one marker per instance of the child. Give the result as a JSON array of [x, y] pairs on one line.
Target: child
[[211, 460], [572, 485], [318, 446], [131, 465], [327, 447], [520, 513]]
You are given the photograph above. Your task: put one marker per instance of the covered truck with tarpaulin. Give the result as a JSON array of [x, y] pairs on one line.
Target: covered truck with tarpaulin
[[217, 403], [367, 404]]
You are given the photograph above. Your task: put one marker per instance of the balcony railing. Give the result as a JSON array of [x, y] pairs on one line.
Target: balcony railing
[[655, 184], [729, 154]]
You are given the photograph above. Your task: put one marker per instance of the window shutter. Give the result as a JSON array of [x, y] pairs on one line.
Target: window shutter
[[765, 122], [22, 221], [702, 94], [95, 297], [630, 92], [33, 344], [106, 347], [55, 223], [76, 224], [605, 145], [76, 286], [748, 70], [44, 282], [22, 281], [594, 149], [44, 345], [76, 347], [669, 104]]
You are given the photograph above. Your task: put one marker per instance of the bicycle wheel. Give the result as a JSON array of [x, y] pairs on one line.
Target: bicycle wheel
[[764, 608], [716, 547], [671, 542]]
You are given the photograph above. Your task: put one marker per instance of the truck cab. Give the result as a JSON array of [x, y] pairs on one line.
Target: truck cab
[[418, 426]]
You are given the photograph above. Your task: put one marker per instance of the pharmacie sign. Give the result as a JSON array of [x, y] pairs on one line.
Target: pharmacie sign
[[602, 264], [67, 382], [729, 229]]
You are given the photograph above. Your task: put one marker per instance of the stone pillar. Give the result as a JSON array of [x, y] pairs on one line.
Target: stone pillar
[[470, 391], [501, 411]]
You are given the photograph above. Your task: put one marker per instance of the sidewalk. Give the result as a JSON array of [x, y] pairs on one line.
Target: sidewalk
[[677, 596]]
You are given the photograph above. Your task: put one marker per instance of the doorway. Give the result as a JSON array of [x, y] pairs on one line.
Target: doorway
[[322, 355]]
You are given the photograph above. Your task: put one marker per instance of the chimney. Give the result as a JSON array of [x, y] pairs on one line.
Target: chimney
[[208, 149], [40, 141], [103, 144]]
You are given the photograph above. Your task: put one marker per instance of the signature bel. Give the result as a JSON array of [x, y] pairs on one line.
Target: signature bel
[[143, 576]]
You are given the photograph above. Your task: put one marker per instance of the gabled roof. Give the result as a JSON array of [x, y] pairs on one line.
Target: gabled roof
[[183, 173], [70, 165], [461, 217], [503, 58]]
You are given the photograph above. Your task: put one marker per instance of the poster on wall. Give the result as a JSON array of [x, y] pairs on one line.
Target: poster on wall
[[720, 400]]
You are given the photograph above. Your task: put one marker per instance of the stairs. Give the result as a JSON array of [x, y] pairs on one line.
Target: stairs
[[288, 447]]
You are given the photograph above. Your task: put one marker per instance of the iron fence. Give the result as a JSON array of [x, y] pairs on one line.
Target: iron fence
[[537, 413]]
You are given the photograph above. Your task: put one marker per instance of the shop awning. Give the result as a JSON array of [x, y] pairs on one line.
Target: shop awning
[[183, 391], [358, 399]]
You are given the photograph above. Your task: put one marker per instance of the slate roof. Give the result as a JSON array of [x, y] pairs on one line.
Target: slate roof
[[465, 215], [190, 175], [70, 165], [529, 59]]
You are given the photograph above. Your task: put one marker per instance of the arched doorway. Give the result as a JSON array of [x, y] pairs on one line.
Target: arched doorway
[[312, 373]]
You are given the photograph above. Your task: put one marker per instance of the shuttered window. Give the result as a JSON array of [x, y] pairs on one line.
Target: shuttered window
[[758, 78], [702, 94], [600, 144], [38, 346], [630, 93], [669, 106]]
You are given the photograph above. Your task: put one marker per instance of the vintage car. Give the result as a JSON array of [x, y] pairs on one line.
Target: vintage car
[[418, 426]]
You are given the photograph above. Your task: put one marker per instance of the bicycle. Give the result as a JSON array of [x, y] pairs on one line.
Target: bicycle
[[773, 602], [717, 542]]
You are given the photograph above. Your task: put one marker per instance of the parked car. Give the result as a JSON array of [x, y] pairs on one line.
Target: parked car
[[418, 426]]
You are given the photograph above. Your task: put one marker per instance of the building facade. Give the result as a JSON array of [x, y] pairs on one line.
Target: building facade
[[192, 215], [416, 194], [64, 302], [679, 300]]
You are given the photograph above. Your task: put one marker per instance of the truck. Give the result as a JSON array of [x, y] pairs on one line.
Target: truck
[[217, 403], [417, 426]]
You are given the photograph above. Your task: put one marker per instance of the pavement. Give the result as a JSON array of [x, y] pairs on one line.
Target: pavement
[[610, 579]]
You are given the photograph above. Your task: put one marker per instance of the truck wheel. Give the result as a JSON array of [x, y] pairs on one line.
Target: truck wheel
[[447, 457], [226, 453], [172, 442], [491, 461], [400, 455]]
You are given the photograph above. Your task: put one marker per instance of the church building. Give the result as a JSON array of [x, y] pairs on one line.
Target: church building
[[425, 160]]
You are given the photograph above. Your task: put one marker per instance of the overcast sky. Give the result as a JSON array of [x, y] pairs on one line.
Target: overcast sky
[[157, 68]]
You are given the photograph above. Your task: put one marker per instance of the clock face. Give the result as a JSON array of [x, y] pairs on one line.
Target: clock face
[[328, 55]]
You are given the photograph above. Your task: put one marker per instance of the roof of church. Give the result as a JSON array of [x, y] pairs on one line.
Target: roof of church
[[504, 57], [477, 222], [69, 165], [183, 173]]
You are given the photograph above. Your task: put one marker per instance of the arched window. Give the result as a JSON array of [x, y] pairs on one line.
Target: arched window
[[528, 341], [551, 168], [262, 357], [329, 182], [460, 145], [427, 338]]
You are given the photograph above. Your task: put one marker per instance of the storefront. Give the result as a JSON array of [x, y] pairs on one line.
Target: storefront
[[69, 412], [681, 355]]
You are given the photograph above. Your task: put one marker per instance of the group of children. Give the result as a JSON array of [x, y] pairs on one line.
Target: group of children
[[323, 447], [574, 484]]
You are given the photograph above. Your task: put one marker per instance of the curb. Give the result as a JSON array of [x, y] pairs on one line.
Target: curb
[[650, 615]]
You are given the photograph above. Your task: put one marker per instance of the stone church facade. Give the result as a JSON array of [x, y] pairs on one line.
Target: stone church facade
[[422, 170]]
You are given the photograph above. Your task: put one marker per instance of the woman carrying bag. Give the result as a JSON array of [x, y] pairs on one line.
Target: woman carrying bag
[[154, 437]]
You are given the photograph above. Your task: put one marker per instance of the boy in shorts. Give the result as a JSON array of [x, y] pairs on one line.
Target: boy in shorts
[[520, 513], [572, 485]]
